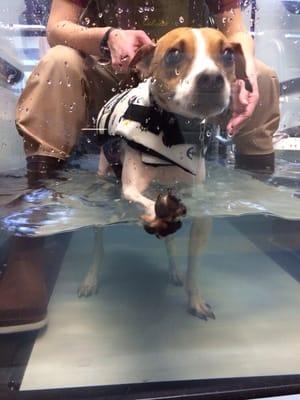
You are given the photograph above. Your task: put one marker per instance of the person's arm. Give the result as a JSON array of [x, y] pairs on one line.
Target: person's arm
[[63, 28], [231, 23]]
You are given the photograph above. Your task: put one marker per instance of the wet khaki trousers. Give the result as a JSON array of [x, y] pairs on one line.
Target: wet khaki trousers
[[66, 90]]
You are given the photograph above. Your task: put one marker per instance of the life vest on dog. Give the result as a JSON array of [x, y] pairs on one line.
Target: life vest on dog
[[162, 137]]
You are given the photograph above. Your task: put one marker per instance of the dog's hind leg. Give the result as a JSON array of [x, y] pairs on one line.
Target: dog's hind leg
[[174, 275], [199, 233], [90, 283]]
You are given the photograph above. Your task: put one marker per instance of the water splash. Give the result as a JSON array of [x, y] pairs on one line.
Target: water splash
[[82, 199]]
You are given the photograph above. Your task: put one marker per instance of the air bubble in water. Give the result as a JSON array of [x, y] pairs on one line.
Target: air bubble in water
[[120, 10], [141, 10], [49, 82], [87, 20], [181, 19]]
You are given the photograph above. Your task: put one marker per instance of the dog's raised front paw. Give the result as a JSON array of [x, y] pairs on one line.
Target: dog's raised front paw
[[160, 227], [169, 207], [200, 309], [168, 210], [89, 286]]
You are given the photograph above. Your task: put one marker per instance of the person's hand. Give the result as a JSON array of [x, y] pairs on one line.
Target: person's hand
[[123, 45], [243, 102]]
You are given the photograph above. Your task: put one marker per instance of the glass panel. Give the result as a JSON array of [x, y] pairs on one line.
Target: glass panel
[[149, 242]]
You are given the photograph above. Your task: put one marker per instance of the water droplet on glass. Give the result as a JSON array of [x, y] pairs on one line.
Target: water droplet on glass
[[146, 17], [141, 10], [87, 20], [113, 90], [60, 82], [100, 15], [181, 19], [49, 82], [69, 84], [120, 10]]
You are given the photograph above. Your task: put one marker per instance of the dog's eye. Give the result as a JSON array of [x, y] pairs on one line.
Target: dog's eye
[[228, 57], [173, 57]]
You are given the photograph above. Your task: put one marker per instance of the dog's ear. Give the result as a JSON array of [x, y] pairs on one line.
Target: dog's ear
[[142, 60], [240, 66]]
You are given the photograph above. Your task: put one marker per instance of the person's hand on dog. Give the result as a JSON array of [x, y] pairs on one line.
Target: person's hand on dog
[[243, 102], [123, 45]]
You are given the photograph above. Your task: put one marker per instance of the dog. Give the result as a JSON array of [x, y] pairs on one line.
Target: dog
[[187, 79]]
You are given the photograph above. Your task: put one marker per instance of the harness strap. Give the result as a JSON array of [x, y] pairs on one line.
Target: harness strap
[[176, 129]]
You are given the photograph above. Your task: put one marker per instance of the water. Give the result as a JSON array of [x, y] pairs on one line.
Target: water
[[81, 198], [137, 328]]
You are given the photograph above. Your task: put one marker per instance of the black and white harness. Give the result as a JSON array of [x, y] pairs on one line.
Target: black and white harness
[[162, 137]]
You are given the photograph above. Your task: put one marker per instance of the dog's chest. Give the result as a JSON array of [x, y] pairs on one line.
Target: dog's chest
[[163, 138]]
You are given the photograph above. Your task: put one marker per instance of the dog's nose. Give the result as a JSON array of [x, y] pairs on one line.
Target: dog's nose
[[210, 81]]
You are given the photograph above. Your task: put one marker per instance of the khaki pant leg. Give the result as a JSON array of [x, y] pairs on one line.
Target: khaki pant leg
[[57, 101], [255, 137]]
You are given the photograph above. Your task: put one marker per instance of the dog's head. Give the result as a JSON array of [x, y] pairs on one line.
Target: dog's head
[[192, 70]]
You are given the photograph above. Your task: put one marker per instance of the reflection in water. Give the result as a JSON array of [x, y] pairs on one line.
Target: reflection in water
[[83, 199]]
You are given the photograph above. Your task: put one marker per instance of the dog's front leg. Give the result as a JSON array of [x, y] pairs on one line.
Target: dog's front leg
[[90, 283], [136, 177], [160, 216], [199, 233]]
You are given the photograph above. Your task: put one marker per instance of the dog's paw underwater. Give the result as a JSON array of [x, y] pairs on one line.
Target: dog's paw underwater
[[168, 209]]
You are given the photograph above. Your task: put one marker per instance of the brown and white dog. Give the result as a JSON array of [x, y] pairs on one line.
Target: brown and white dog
[[188, 73]]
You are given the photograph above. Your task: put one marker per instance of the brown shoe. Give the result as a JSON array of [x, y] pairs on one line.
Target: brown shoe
[[23, 293]]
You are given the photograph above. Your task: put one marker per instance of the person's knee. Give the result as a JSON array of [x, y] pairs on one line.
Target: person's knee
[[255, 136], [62, 58], [268, 82]]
